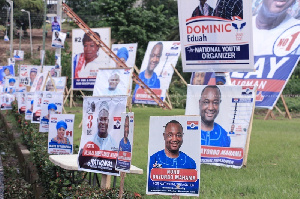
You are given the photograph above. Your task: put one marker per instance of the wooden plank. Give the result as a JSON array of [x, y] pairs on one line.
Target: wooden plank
[[105, 181], [179, 75], [287, 112], [122, 175]]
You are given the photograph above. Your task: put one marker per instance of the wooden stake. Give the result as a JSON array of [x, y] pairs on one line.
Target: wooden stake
[[122, 175], [282, 113], [287, 112], [269, 113], [179, 75], [105, 181], [175, 197]]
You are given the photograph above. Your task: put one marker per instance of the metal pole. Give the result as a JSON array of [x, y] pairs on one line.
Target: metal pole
[[11, 3], [30, 34]]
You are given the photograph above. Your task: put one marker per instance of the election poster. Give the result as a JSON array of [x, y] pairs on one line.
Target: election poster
[[29, 105], [277, 58], [58, 39], [21, 96], [18, 55], [157, 70], [200, 78], [226, 112], [216, 36], [11, 61], [60, 137], [53, 71], [58, 62], [52, 103], [101, 132], [6, 72], [113, 81], [126, 142], [88, 58], [28, 73], [37, 107], [173, 165], [39, 82], [55, 23], [57, 82], [42, 56], [6, 100], [11, 85], [126, 52]]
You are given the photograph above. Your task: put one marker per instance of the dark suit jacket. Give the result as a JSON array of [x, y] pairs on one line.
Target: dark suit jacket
[[197, 12]]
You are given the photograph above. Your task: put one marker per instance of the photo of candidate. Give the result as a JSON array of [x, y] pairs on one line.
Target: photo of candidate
[[227, 9], [49, 85], [39, 83], [17, 55], [52, 72], [212, 134], [11, 89], [61, 127], [56, 33], [31, 108], [88, 60], [55, 25], [32, 75], [102, 138], [51, 110], [171, 156], [203, 9], [198, 78], [232, 129], [7, 72], [125, 143], [123, 55]]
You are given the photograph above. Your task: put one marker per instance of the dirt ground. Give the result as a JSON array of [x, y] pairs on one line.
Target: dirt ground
[[37, 44]]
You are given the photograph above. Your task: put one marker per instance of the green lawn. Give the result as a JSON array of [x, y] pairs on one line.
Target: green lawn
[[273, 163]]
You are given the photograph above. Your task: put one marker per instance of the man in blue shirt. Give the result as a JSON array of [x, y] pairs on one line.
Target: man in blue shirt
[[212, 134], [125, 143]]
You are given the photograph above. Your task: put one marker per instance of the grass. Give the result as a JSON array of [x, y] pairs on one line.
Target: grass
[[272, 169]]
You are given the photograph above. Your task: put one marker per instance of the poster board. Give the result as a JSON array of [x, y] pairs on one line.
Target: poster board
[[6, 72], [21, 96], [219, 40], [29, 105], [6, 100], [11, 85], [28, 73], [37, 107], [54, 72], [18, 55], [126, 52], [39, 82]]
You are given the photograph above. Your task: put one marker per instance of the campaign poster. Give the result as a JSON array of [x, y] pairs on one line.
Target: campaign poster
[[216, 35], [28, 73], [277, 58], [42, 56], [157, 70], [101, 132], [126, 142], [6, 72], [58, 39], [21, 96], [173, 165], [126, 52], [60, 137], [226, 112], [29, 105], [88, 58], [39, 82], [37, 107], [18, 55], [113, 81], [53, 71], [11, 61], [200, 78], [52, 103], [11, 85], [6, 100], [55, 23], [57, 82], [58, 62]]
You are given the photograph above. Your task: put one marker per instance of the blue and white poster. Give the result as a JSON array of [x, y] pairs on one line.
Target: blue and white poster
[[216, 35]]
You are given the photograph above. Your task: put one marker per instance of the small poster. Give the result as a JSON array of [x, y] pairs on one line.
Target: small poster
[[28, 74], [11, 85], [53, 71], [52, 103], [57, 82], [101, 130], [58, 62], [60, 137], [6, 72], [37, 107], [126, 142], [126, 52], [39, 82], [29, 105], [21, 102], [173, 165], [18, 55], [226, 112], [58, 39], [11, 61], [114, 81], [6, 100], [55, 23]]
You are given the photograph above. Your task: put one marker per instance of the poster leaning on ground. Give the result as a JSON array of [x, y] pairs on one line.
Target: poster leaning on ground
[[173, 165], [60, 137], [226, 112], [87, 58], [157, 70], [101, 123], [217, 38]]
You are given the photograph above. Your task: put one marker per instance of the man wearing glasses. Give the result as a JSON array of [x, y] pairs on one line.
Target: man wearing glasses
[[212, 134], [171, 157]]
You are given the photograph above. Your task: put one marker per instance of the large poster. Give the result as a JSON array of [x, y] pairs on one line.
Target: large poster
[[60, 137], [87, 58], [157, 70], [225, 113], [173, 165], [101, 123], [216, 35], [276, 50], [126, 52], [126, 142], [116, 81], [27, 74]]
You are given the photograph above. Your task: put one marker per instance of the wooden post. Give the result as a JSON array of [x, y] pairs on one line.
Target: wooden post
[[179, 75], [122, 175], [71, 98], [169, 101], [105, 181], [287, 112], [282, 113], [175, 197], [270, 113]]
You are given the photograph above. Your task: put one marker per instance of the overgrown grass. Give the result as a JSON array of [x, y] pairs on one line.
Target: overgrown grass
[[273, 162]]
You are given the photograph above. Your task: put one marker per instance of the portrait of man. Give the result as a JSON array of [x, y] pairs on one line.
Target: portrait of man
[[57, 39], [203, 9], [227, 9], [212, 134], [49, 85], [171, 156], [32, 75], [113, 82], [123, 55], [17, 55], [55, 25], [232, 129], [88, 60], [125, 143]]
